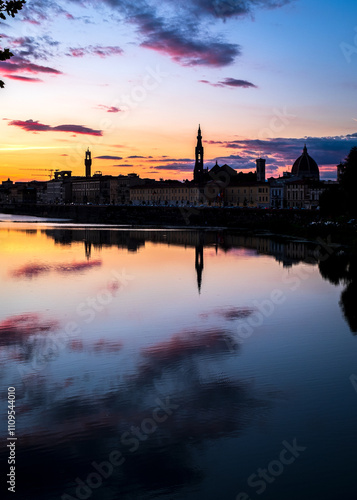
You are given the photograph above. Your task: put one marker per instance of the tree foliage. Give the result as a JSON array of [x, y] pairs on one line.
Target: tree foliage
[[341, 199], [348, 180], [333, 201], [10, 8]]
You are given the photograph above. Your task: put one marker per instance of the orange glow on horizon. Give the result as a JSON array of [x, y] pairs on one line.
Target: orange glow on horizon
[[36, 163], [23, 161]]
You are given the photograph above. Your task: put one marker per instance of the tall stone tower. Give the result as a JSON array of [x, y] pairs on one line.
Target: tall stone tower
[[88, 163], [260, 169], [199, 173]]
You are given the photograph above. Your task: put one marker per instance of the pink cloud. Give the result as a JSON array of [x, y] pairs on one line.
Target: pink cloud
[[109, 109], [186, 342], [96, 50], [192, 53], [14, 328], [23, 78], [231, 82], [33, 270], [30, 270], [22, 65], [77, 266], [36, 126], [103, 345]]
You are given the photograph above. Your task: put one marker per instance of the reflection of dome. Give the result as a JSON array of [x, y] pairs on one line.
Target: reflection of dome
[[305, 166]]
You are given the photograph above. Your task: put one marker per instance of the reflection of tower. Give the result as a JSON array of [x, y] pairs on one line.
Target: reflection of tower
[[199, 172], [88, 163], [260, 169], [199, 263], [88, 249]]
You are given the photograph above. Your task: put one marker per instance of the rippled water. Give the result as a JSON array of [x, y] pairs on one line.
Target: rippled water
[[177, 365]]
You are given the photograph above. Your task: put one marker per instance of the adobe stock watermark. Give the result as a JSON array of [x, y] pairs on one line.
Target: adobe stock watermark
[[349, 50], [126, 103], [277, 123], [150, 82], [89, 308], [353, 380], [221, 181], [52, 344], [224, 8], [131, 439], [260, 480], [265, 308]]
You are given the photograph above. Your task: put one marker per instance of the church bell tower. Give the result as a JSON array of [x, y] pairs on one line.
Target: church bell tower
[[88, 163], [199, 173]]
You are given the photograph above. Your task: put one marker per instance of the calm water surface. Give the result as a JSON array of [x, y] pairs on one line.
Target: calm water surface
[[177, 365]]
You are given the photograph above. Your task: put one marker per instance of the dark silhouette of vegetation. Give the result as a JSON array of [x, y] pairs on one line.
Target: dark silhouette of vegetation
[[348, 180], [341, 268], [11, 8], [341, 200], [333, 201]]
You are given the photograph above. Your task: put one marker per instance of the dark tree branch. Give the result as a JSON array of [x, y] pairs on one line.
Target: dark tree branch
[[11, 8]]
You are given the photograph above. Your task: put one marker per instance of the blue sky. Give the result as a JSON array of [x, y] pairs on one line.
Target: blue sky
[[262, 77]]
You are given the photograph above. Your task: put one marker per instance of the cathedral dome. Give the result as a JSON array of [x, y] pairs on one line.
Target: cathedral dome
[[305, 166]]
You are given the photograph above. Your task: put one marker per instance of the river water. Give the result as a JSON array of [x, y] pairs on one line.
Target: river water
[[177, 364]]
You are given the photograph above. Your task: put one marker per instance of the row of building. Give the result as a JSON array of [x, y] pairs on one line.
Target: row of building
[[219, 186]]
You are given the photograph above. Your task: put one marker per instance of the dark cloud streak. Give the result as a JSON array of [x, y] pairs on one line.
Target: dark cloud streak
[[109, 109], [96, 50], [225, 9], [22, 65], [32, 270], [180, 31], [231, 82], [173, 166], [107, 157], [24, 78], [36, 126]]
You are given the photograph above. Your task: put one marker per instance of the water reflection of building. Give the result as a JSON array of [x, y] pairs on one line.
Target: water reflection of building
[[287, 251], [338, 268], [199, 263], [88, 249]]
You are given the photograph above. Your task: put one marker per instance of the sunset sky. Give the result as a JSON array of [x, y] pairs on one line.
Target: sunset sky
[[132, 81]]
